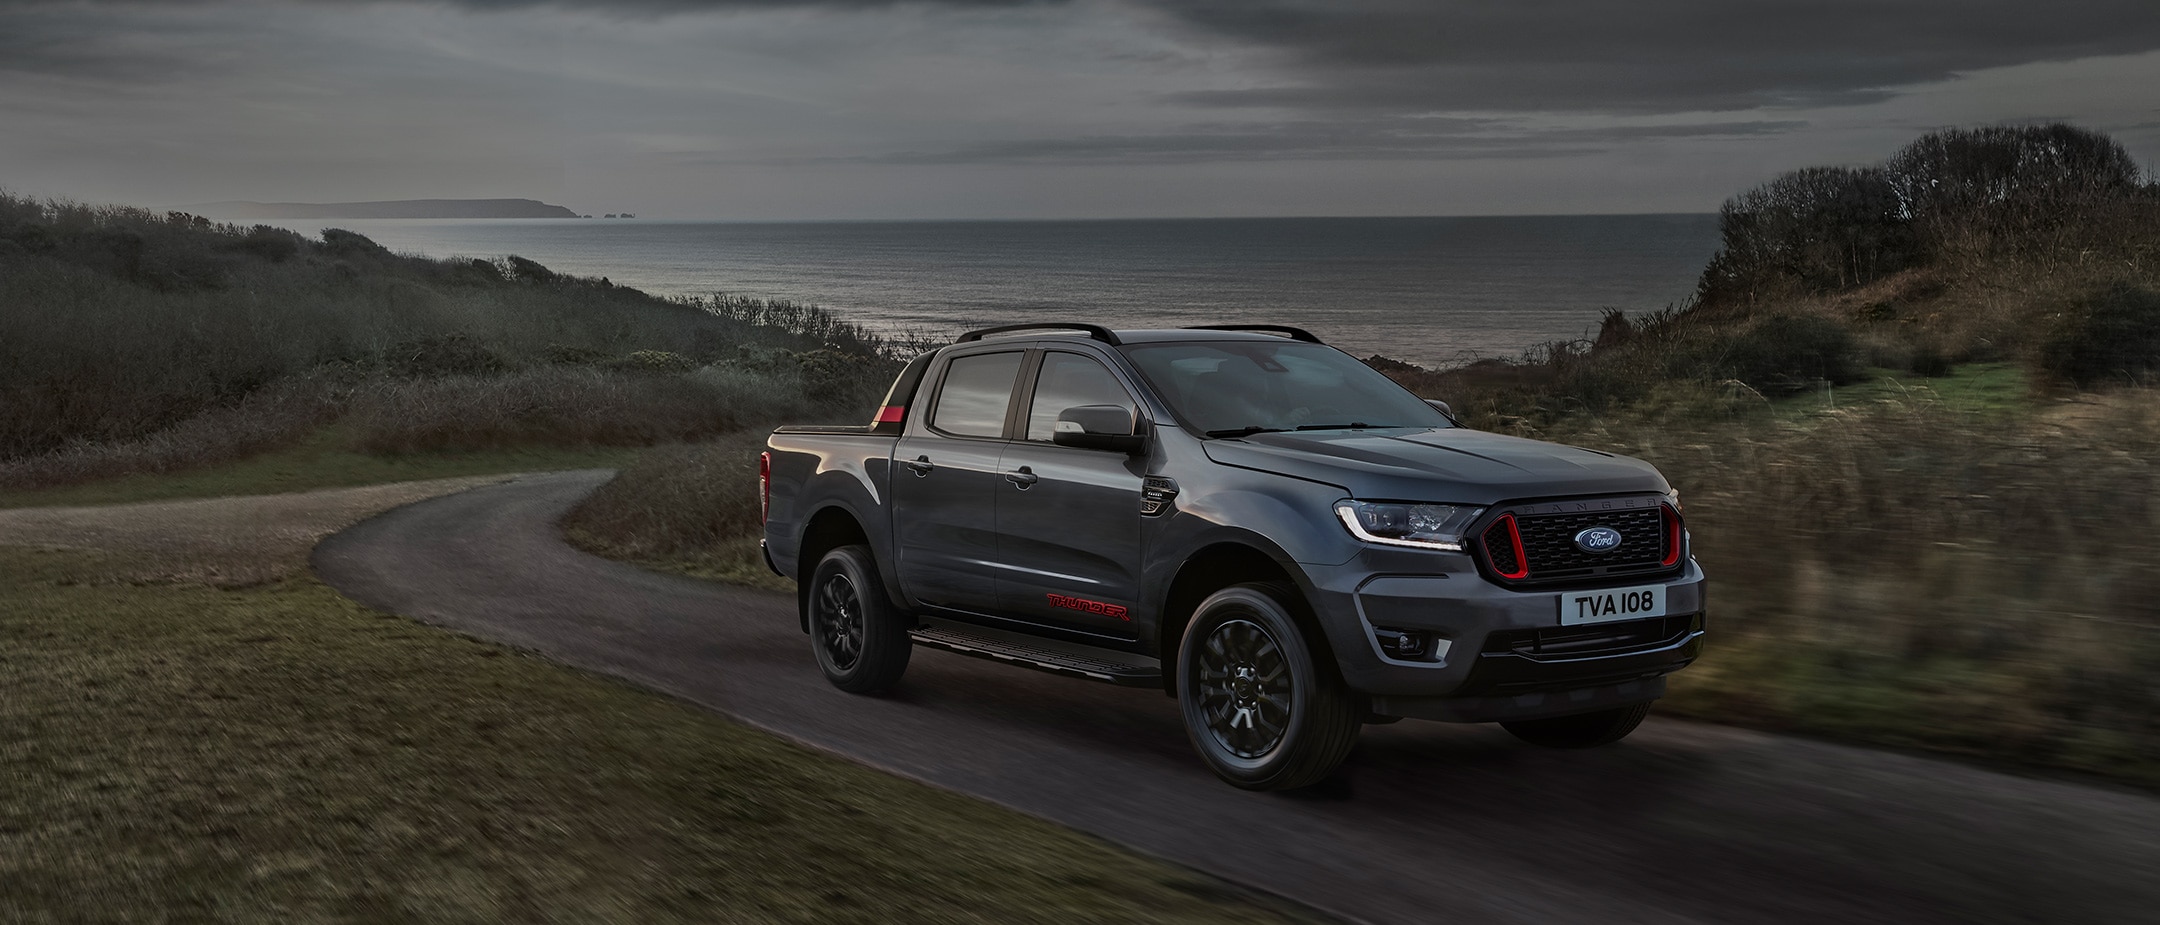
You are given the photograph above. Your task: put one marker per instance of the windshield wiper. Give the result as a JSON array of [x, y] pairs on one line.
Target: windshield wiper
[[1245, 431], [1353, 425]]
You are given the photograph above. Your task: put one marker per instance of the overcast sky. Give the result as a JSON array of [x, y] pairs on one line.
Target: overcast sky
[[772, 109]]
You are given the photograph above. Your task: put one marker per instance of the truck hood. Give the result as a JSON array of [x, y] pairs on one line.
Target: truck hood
[[1437, 464]]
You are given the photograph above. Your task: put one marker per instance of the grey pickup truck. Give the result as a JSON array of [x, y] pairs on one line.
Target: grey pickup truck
[[1277, 536]]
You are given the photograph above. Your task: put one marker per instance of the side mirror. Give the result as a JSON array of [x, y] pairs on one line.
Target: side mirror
[[1441, 407], [1098, 427]]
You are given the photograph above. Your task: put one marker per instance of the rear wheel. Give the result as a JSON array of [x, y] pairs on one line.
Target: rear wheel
[[1260, 709], [1583, 730], [861, 641]]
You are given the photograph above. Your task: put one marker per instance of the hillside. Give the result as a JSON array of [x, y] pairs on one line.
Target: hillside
[[133, 341]]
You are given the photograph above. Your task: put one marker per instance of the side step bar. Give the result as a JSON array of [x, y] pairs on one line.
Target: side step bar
[[1121, 668]]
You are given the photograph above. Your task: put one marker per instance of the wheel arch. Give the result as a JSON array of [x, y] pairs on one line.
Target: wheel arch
[[830, 528], [1218, 565]]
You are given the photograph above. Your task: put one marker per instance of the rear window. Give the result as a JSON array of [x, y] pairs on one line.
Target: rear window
[[978, 390]]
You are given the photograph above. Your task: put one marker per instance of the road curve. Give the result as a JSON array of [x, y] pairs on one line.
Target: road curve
[[1683, 822]]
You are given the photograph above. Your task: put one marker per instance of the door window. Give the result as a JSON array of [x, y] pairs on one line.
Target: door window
[[977, 392], [1067, 380]]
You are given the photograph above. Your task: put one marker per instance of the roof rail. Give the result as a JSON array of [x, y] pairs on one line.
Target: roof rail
[[1294, 333], [1095, 331]]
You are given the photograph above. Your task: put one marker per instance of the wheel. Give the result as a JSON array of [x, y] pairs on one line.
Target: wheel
[[1583, 730], [1262, 712], [861, 641]]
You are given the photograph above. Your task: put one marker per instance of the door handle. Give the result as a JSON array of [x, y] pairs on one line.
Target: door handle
[[921, 465], [1023, 477]]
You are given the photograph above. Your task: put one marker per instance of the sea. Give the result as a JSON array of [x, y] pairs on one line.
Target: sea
[[1437, 292]]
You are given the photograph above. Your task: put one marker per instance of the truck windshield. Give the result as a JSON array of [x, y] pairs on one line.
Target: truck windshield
[[1229, 388]]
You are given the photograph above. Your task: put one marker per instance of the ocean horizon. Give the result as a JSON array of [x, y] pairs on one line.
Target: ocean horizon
[[1435, 291]]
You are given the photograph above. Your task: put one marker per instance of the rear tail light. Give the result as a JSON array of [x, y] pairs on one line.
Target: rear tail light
[[764, 485], [892, 414]]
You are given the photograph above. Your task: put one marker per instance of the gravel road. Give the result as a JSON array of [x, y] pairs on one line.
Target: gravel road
[[1683, 822]]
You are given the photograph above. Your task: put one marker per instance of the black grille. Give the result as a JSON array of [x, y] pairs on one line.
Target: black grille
[[1500, 548], [1575, 657], [1595, 639], [1548, 543]]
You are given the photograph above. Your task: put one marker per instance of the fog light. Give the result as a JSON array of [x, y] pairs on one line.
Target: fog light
[[1402, 644]]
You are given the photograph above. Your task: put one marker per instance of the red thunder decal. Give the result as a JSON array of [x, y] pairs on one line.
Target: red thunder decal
[[1081, 603]]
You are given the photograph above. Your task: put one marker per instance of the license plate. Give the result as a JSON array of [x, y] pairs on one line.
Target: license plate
[[1577, 607]]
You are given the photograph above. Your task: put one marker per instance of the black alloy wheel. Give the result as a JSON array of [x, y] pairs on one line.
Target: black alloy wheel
[[860, 639], [1262, 703], [1245, 688], [838, 616]]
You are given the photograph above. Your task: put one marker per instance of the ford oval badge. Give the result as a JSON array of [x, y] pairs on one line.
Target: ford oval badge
[[1598, 539]]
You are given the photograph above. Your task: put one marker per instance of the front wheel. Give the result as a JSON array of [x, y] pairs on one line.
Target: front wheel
[[1259, 707], [1583, 730], [860, 639]]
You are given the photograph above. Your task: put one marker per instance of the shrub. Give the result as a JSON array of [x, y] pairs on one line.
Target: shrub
[[338, 242], [453, 354], [2114, 337], [1781, 354], [1818, 229], [652, 361]]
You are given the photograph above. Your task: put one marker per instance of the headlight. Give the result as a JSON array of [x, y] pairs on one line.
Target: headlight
[[1425, 526]]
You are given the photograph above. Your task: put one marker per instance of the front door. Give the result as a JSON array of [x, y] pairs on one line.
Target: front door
[[1068, 519], [944, 485]]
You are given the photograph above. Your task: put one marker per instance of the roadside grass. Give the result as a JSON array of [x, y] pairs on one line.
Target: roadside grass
[[323, 459], [1990, 388], [690, 509], [281, 754], [1906, 573]]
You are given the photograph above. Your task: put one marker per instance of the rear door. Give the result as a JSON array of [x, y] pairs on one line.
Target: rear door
[[945, 475], [1068, 519]]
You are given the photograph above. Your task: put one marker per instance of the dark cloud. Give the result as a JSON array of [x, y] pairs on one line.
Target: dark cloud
[[1638, 56], [1645, 55], [1345, 140]]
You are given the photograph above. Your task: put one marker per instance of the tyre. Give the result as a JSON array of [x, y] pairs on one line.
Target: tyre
[[1261, 710], [1583, 730], [861, 641]]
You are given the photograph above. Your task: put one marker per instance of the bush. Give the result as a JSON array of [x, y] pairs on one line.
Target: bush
[[2113, 338], [2044, 193], [453, 354], [652, 361], [1781, 354]]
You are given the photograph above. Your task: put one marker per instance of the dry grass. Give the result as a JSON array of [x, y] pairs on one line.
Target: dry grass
[[1906, 574], [691, 509]]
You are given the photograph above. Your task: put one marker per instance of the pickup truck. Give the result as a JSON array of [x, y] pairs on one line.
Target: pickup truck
[[1279, 537]]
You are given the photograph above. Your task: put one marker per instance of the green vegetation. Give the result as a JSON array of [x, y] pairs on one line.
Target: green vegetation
[[132, 342], [281, 754]]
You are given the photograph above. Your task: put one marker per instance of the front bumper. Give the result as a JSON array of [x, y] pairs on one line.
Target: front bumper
[[1496, 653]]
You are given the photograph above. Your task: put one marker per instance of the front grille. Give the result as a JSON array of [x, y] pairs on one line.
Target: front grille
[[1549, 550]]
